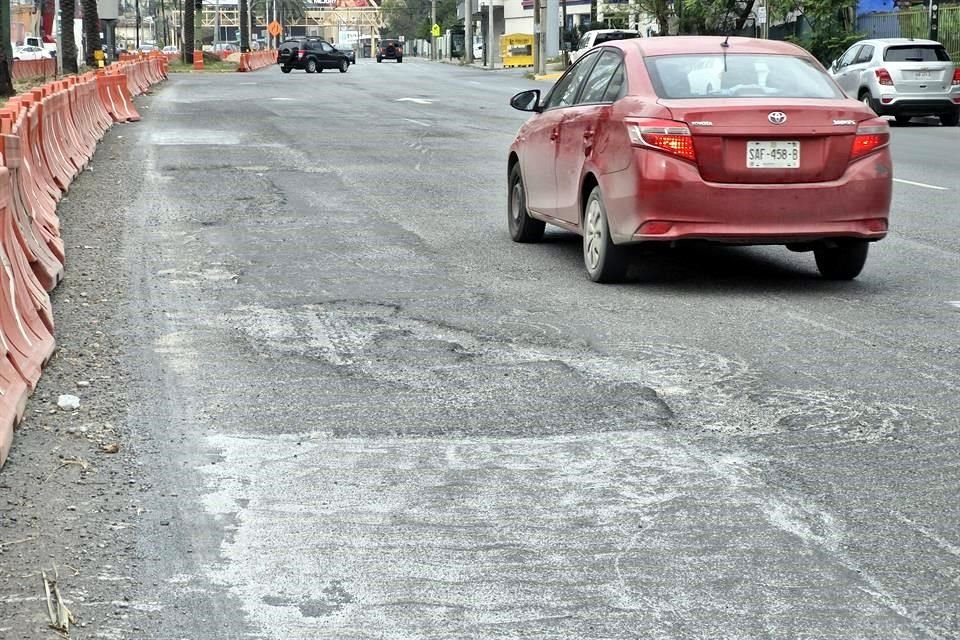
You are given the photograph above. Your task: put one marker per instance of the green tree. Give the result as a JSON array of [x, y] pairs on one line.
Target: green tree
[[91, 31], [832, 27], [659, 10], [68, 12], [411, 18]]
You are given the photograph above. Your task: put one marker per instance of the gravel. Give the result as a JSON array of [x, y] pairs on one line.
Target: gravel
[[64, 500]]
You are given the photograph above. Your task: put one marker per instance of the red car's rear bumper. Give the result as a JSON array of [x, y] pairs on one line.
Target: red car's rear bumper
[[663, 198]]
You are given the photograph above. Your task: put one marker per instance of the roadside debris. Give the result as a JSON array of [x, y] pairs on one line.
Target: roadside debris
[[60, 616], [68, 402]]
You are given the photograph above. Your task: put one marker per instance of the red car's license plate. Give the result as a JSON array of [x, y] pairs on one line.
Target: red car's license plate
[[773, 154]]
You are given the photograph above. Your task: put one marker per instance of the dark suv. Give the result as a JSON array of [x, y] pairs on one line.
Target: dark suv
[[391, 50], [313, 55]]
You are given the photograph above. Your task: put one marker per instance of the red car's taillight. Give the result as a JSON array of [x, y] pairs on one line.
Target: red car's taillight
[[883, 77], [665, 135], [871, 135], [956, 77]]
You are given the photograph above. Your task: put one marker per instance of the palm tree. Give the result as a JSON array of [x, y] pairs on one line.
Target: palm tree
[[188, 35], [91, 31], [244, 27], [68, 12], [6, 53]]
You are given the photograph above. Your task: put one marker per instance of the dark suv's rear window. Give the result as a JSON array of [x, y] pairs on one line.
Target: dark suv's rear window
[[916, 53]]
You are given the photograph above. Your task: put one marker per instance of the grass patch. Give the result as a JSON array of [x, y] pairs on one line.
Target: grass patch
[[220, 66]]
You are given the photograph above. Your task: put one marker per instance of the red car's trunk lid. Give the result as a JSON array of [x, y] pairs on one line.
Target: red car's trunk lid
[[813, 138]]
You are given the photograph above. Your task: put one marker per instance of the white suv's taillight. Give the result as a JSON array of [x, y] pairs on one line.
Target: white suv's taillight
[[665, 135], [871, 135], [883, 77], [956, 77]]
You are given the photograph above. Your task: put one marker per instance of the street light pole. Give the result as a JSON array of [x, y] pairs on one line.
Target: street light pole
[[137, 18], [433, 38]]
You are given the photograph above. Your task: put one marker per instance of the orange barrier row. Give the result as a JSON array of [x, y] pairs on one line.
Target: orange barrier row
[[23, 69], [47, 137], [256, 60]]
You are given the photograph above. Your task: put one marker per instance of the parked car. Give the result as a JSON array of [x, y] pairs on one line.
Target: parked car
[[622, 151], [599, 36], [347, 49], [902, 78], [30, 53], [390, 50], [171, 50], [313, 55], [226, 48], [147, 47], [34, 41]]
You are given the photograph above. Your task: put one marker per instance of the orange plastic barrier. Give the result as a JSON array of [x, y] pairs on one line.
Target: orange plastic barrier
[[34, 69], [256, 60], [47, 137]]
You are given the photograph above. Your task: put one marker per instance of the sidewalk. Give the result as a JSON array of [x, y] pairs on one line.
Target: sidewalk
[[554, 70]]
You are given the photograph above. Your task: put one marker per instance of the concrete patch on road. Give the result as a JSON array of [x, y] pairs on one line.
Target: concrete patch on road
[[203, 137], [615, 535]]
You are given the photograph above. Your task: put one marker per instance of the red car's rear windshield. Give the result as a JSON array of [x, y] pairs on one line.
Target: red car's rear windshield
[[739, 75], [916, 53]]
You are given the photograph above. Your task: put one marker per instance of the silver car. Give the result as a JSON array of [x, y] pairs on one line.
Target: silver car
[[901, 77]]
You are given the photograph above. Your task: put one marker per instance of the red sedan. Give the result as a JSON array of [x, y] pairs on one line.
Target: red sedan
[[731, 140]]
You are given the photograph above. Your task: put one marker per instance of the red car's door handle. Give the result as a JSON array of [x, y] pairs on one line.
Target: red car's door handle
[[554, 134], [588, 135]]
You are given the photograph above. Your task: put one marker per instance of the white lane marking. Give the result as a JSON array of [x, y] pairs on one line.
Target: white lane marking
[[283, 99], [954, 303], [921, 184], [417, 100], [474, 82], [419, 122]]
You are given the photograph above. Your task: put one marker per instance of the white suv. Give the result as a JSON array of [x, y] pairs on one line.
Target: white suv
[[598, 36], [901, 77]]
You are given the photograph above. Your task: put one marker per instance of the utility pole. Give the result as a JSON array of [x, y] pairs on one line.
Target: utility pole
[[216, 27], [433, 39], [137, 8], [538, 66], [468, 31], [491, 46], [565, 45]]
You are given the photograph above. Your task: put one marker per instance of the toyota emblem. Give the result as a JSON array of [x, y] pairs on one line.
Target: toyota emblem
[[777, 117]]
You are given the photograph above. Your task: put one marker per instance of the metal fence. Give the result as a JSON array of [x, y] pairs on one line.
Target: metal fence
[[914, 24]]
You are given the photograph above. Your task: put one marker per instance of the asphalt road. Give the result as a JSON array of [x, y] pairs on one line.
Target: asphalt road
[[359, 411]]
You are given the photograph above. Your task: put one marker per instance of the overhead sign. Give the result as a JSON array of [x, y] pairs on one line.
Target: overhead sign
[[108, 9], [435, 31], [274, 28]]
